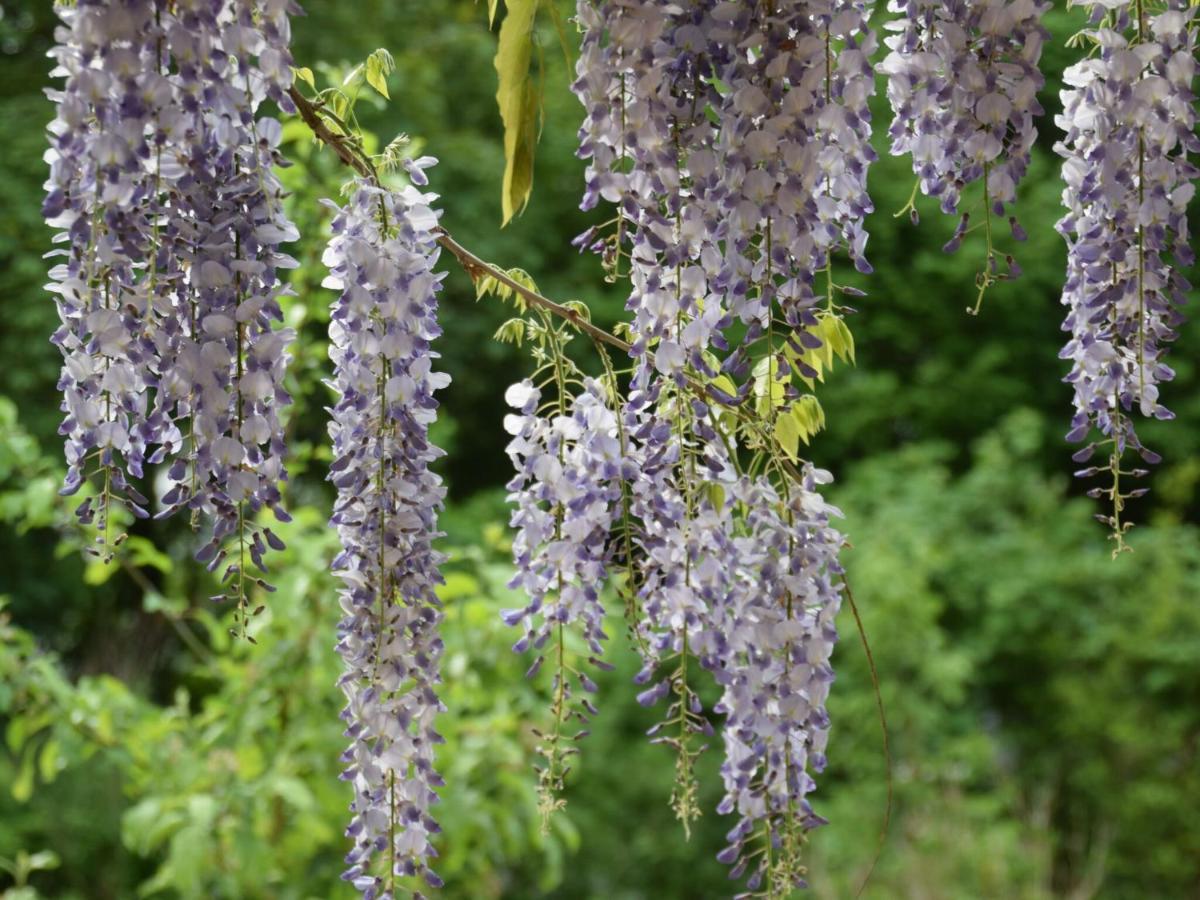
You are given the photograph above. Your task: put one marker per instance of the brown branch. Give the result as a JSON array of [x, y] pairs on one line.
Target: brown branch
[[338, 143], [352, 156], [475, 267]]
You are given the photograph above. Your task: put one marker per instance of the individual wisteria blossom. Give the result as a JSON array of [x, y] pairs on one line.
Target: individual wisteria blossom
[[566, 496], [382, 259], [1129, 114], [778, 632], [963, 79]]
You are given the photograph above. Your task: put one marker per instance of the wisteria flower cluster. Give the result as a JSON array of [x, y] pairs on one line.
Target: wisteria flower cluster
[[1129, 119], [963, 79], [641, 80], [735, 142], [777, 638], [382, 259], [106, 114], [161, 180], [566, 496]]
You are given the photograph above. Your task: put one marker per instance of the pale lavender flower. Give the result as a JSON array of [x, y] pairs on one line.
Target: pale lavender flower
[[382, 258], [1129, 118], [566, 496], [100, 195], [224, 364], [963, 79], [778, 631], [161, 177]]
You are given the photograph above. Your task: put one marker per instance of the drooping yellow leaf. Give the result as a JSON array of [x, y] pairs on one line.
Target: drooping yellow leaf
[[847, 341], [788, 433], [519, 100]]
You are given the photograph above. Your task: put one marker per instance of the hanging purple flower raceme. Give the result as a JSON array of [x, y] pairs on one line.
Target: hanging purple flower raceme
[[566, 496], [793, 153], [779, 633], [229, 361], [843, 128], [766, 155], [642, 81], [162, 176], [382, 258], [1129, 116], [963, 79], [785, 185], [101, 195], [682, 580]]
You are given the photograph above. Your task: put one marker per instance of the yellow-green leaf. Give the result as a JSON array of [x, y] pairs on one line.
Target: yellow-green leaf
[[768, 389], [97, 572], [715, 494], [788, 433], [22, 786], [305, 74], [353, 77], [810, 358], [847, 341], [519, 101], [809, 416], [379, 66], [826, 330], [376, 79], [725, 385]]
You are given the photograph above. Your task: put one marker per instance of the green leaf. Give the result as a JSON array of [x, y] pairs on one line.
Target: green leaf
[[788, 433], [97, 572], [170, 606], [519, 100], [511, 332], [42, 861], [846, 341], [768, 389], [144, 555], [715, 494], [379, 65], [305, 74], [725, 385], [809, 416], [22, 788], [826, 330], [50, 761], [353, 77]]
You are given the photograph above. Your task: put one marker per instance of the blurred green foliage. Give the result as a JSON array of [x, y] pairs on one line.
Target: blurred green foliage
[[1044, 702]]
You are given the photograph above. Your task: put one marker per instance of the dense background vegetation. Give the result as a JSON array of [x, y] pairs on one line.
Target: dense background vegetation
[[1044, 701]]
